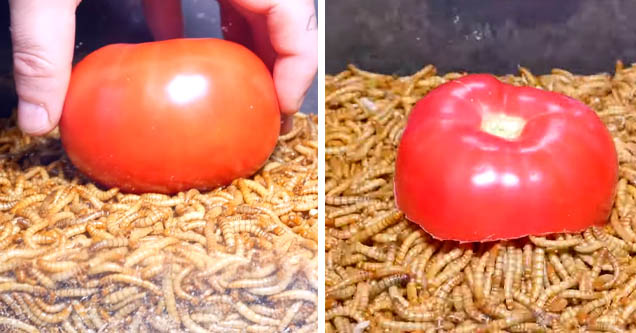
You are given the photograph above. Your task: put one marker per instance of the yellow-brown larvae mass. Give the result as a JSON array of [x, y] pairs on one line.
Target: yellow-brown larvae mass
[[384, 274], [77, 258]]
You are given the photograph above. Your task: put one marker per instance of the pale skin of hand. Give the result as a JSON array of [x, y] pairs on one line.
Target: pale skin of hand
[[282, 33]]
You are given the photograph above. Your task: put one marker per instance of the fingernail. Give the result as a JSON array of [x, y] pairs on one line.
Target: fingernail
[[32, 118]]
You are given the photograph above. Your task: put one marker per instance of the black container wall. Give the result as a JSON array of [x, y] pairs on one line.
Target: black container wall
[[584, 36], [102, 22]]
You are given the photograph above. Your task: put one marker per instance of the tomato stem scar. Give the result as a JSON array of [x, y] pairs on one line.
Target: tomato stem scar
[[502, 125]]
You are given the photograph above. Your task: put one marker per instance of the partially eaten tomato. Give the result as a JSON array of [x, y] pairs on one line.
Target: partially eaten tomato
[[169, 116], [482, 160]]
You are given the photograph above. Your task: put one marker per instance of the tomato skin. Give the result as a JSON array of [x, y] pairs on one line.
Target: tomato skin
[[171, 115], [459, 182]]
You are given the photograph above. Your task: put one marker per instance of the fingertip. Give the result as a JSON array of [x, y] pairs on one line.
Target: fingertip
[[33, 119], [293, 77]]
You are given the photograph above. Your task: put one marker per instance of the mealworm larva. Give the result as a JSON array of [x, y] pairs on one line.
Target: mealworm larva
[[109, 255], [442, 261], [125, 302], [469, 307], [386, 282], [441, 294], [126, 311], [46, 317], [128, 279], [27, 202], [451, 269], [12, 303], [143, 252], [178, 290], [414, 252], [405, 325], [401, 307], [18, 324], [406, 244], [50, 308], [289, 316], [57, 266], [26, 310], [42, 278], [554, 289], [344, 311], [302, 294], [189, 324], [478, 278], [352, 279], [538, 262], [67, 274], [252, 316], [21, 287], [167, 288], [187, 236], [119, 295], [527, 327], [515, 318], [616, 268], [110, 267], [617, 246], [254, 283], [79, 323], [68, 327], [378, 224], [75, 292], [112, 242]]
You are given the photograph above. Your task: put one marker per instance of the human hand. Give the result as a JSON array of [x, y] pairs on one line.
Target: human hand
[[43, 37], [285, 35], [282, 33]]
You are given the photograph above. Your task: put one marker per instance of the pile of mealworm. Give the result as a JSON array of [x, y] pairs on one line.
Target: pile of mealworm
[[385, 274], [77, 258]]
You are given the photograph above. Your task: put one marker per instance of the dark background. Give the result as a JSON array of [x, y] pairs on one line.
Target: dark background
[[102, 22], [584, 36]]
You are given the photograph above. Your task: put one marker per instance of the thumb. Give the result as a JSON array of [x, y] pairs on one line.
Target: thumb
[[43, 35]]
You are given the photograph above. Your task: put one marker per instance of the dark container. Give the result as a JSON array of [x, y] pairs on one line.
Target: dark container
[[496, 36]]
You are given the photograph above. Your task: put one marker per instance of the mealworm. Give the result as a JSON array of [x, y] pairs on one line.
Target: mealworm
[[26, 288], [75, 292], [300, 294], [58, 266], [143, 252], [405, 326], [119, 295], [128, 279], [441, 262], [26, 310], [451, 269], [125, 302], [46, 317], [378, 224], [168, 294], [50, 308], [252, 316], [17, 324], [42, 278], [126, 311], [108, 243]]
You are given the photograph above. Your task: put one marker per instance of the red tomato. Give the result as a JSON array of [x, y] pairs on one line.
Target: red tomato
[[171, 115], [482, 160]]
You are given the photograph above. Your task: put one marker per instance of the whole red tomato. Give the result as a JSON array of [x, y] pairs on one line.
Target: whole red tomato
[[481, 160], [171, 115]]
